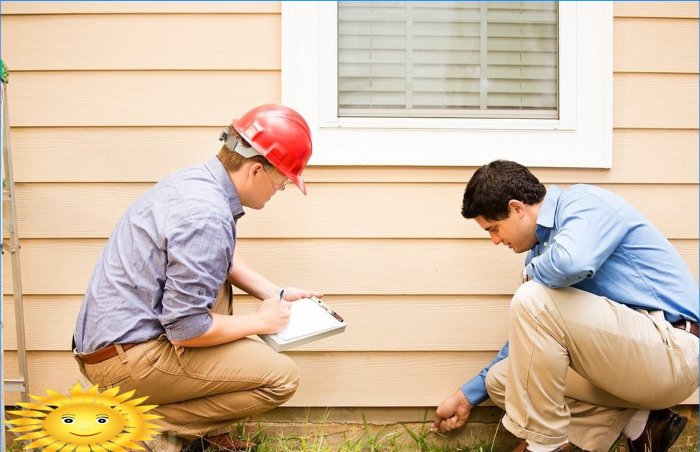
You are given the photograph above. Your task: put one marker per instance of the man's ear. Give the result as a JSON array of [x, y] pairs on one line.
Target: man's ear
[[254, 169], [517, 207]]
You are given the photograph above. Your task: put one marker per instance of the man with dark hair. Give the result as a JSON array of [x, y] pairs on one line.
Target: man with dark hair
[[603, 332]]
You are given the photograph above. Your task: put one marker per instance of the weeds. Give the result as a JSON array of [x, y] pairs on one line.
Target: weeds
[[370, 438], [317, 436]]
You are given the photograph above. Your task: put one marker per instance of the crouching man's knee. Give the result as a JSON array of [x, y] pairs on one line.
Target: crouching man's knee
[[530, 297], [286, 383], [496, 383]]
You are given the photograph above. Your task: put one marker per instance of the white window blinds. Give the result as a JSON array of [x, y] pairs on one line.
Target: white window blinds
[[448, 59]]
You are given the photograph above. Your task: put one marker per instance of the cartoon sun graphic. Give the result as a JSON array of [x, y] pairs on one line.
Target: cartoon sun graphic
[[85, 421]]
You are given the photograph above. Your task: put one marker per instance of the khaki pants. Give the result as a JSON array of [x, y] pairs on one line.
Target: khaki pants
[[200, 391], [579, 366]]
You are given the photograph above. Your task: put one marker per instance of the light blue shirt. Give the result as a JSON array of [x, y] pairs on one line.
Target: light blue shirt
[[164, 263], [593, 240]]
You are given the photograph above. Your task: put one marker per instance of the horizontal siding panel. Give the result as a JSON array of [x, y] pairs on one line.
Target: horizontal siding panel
[[134, 154], [375, 323], [652, 156], [336, 266], [194, 42], [385, 210], [366, 379], [655, 101], [21, 7], [656, 9], [49, 322], [186, 98], [190, 98], [656, 45], [380, 379], [110, 154]]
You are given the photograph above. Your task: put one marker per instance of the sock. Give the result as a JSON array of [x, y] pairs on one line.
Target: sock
[[538, 447], [635, 426]]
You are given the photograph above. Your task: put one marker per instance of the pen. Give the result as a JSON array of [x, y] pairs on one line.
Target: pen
[[282, 295]]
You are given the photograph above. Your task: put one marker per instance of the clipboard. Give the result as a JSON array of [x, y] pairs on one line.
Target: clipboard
[[311, 319]]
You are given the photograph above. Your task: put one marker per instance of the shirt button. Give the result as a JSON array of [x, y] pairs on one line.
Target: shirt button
[[545, 243]]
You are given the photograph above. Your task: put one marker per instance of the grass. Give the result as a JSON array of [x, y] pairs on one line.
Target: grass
[[316, 437], [372, 438], [401, 439]]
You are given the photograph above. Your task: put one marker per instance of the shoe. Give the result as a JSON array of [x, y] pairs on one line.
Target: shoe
[[222, 442], [662, 430], [521, 447]]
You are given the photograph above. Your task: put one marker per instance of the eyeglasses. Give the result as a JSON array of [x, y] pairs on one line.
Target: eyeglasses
[[279, 186]]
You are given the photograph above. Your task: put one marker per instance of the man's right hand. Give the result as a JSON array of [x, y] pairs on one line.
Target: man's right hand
[[452, 413], [273, 314]]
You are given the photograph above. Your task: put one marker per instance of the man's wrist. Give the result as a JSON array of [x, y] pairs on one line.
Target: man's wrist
[[463, 399]]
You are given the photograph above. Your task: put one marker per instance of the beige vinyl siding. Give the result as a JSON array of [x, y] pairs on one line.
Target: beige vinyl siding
[[137, 98], [655, 55], [50, 210], [133, 154], [145, 7], [50, 319], [108, 97], [146, 41], [329, 379], [339, 266]]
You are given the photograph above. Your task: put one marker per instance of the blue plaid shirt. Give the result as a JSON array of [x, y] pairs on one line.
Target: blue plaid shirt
[[164, 263]]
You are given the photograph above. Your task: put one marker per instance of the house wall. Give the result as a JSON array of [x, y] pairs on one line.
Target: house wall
[[107, 98]]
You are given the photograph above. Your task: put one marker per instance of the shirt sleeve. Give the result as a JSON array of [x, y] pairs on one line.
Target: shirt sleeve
[[475, 389], [200, 251], [589, 232]]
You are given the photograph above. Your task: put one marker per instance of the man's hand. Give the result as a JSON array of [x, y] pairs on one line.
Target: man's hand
[[452, 413], [293, 293], [273, 315]]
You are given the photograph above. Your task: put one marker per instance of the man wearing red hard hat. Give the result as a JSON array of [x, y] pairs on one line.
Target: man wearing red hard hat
[[156, 317]]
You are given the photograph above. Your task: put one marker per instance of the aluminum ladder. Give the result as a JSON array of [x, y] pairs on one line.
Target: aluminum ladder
[[10, 244]]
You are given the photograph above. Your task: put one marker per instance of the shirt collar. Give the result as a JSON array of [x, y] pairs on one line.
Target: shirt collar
[[222, 177], [545, 219]]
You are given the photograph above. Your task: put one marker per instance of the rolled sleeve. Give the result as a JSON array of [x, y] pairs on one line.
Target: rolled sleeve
[[200, 252], [188, 327]]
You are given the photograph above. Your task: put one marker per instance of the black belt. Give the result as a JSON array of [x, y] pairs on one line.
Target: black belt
[[687, 325]]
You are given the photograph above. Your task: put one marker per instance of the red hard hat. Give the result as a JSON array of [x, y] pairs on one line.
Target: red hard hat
[[279, 134]]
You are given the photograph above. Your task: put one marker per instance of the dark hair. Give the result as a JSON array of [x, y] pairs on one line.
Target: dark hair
[[492, 186]]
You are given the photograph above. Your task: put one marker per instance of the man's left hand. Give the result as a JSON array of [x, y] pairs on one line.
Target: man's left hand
[[294, 293], [452, 413]]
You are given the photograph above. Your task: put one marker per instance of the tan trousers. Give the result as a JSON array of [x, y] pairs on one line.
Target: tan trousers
[[579, 365], [200, 391]]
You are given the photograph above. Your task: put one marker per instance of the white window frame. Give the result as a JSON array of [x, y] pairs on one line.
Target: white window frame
[[581, 137]]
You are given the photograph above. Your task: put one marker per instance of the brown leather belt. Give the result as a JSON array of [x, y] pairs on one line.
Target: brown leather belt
[[687, 326], [104, 353]]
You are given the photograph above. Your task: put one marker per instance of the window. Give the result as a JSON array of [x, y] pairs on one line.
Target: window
[[453, 59], [392, 110]]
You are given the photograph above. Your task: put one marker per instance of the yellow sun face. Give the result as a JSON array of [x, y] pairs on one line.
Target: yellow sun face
[[84, 424], [87, 420]]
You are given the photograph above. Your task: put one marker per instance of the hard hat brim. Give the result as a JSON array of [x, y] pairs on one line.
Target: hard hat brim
[[299, 182]]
